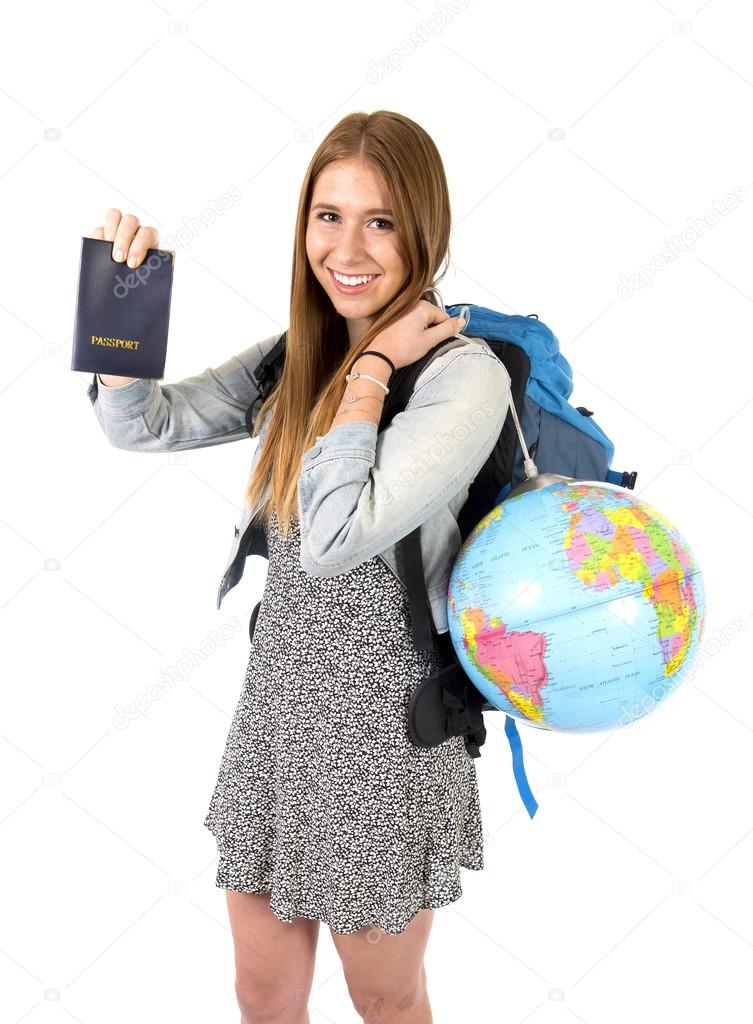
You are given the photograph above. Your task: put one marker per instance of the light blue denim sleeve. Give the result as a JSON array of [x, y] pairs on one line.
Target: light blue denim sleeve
[[206, 409], [361, 491]]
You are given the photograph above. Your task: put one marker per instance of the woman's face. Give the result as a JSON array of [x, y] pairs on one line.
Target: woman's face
[[351, 232]]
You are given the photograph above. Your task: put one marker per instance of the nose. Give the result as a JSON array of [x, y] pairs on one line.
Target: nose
[[350, 246]]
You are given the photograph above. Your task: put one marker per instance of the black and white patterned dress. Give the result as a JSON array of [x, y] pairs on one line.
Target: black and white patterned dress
[[322, 799]]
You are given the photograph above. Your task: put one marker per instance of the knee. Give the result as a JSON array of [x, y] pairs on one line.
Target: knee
[[260, 1005], [389, 1007]]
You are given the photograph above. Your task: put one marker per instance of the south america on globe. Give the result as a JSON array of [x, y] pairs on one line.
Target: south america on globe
[[575, 606]]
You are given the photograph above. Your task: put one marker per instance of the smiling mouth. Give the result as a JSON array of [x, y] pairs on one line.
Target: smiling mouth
[[352, 289]]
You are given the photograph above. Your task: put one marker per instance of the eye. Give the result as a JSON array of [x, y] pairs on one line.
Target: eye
[[329, 213]]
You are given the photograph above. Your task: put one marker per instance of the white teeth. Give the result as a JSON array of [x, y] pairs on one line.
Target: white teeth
[[353, 280]]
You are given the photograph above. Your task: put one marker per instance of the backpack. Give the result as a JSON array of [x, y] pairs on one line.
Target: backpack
[[564, 440]]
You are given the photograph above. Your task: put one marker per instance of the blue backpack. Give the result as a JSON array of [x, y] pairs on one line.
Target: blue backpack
[[544, 434]]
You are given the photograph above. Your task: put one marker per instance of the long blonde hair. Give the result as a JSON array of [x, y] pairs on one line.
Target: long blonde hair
[[317, 352]]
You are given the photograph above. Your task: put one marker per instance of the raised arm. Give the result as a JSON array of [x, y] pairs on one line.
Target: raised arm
[[361, 491], [206, 409]]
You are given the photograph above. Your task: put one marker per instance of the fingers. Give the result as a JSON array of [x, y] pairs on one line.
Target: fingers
[[145, 238], [447, 328], [438, 325], [127, 228], [457, 323], [112, 219], [434, 314], [130, 240], [437, 315]]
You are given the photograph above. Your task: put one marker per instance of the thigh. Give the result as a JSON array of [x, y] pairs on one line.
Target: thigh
[[274, 960], [379, 966]]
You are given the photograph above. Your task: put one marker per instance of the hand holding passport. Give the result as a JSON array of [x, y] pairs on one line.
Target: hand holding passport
[[122, 312]]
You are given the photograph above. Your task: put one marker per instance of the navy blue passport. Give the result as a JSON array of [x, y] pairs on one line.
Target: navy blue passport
[[122, 315]]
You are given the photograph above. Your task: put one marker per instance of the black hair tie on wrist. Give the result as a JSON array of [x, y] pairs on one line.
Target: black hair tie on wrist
[[372, 352]]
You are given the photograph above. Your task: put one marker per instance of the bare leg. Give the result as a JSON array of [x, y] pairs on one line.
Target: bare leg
[[385, 974], [274, 961]]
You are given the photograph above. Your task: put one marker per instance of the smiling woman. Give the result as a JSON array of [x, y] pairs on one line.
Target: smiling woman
[[322, 801], [323, 809]]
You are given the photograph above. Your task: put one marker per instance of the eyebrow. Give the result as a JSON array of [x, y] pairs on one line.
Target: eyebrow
[[331, 206]]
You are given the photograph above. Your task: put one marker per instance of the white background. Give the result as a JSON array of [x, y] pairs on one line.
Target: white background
[[577, 139]]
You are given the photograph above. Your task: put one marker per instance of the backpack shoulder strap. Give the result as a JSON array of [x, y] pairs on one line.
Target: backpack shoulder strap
[[265, 377], [267, 374], [404, 381]]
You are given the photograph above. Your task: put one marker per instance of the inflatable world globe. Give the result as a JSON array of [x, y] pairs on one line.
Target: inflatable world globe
[[574, 606]]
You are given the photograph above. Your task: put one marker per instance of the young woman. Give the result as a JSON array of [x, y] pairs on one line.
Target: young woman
[[323, 809]]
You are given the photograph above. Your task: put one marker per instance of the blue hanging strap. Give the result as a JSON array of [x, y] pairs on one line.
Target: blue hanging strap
[[518, 767]]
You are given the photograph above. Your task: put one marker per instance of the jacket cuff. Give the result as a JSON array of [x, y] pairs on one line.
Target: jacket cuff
[[129, 399]]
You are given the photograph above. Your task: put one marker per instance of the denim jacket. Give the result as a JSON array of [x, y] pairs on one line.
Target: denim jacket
[[360, 490]]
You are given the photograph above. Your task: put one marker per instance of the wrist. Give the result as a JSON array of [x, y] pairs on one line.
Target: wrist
[[358, 407], [373, 365]]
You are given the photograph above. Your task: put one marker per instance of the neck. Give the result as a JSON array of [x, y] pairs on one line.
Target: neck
[[357, 329]]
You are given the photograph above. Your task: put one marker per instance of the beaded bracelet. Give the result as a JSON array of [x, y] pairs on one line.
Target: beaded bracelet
[[373, 352], [355, 375]]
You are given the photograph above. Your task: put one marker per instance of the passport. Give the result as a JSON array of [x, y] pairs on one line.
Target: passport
[[122, 314]]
